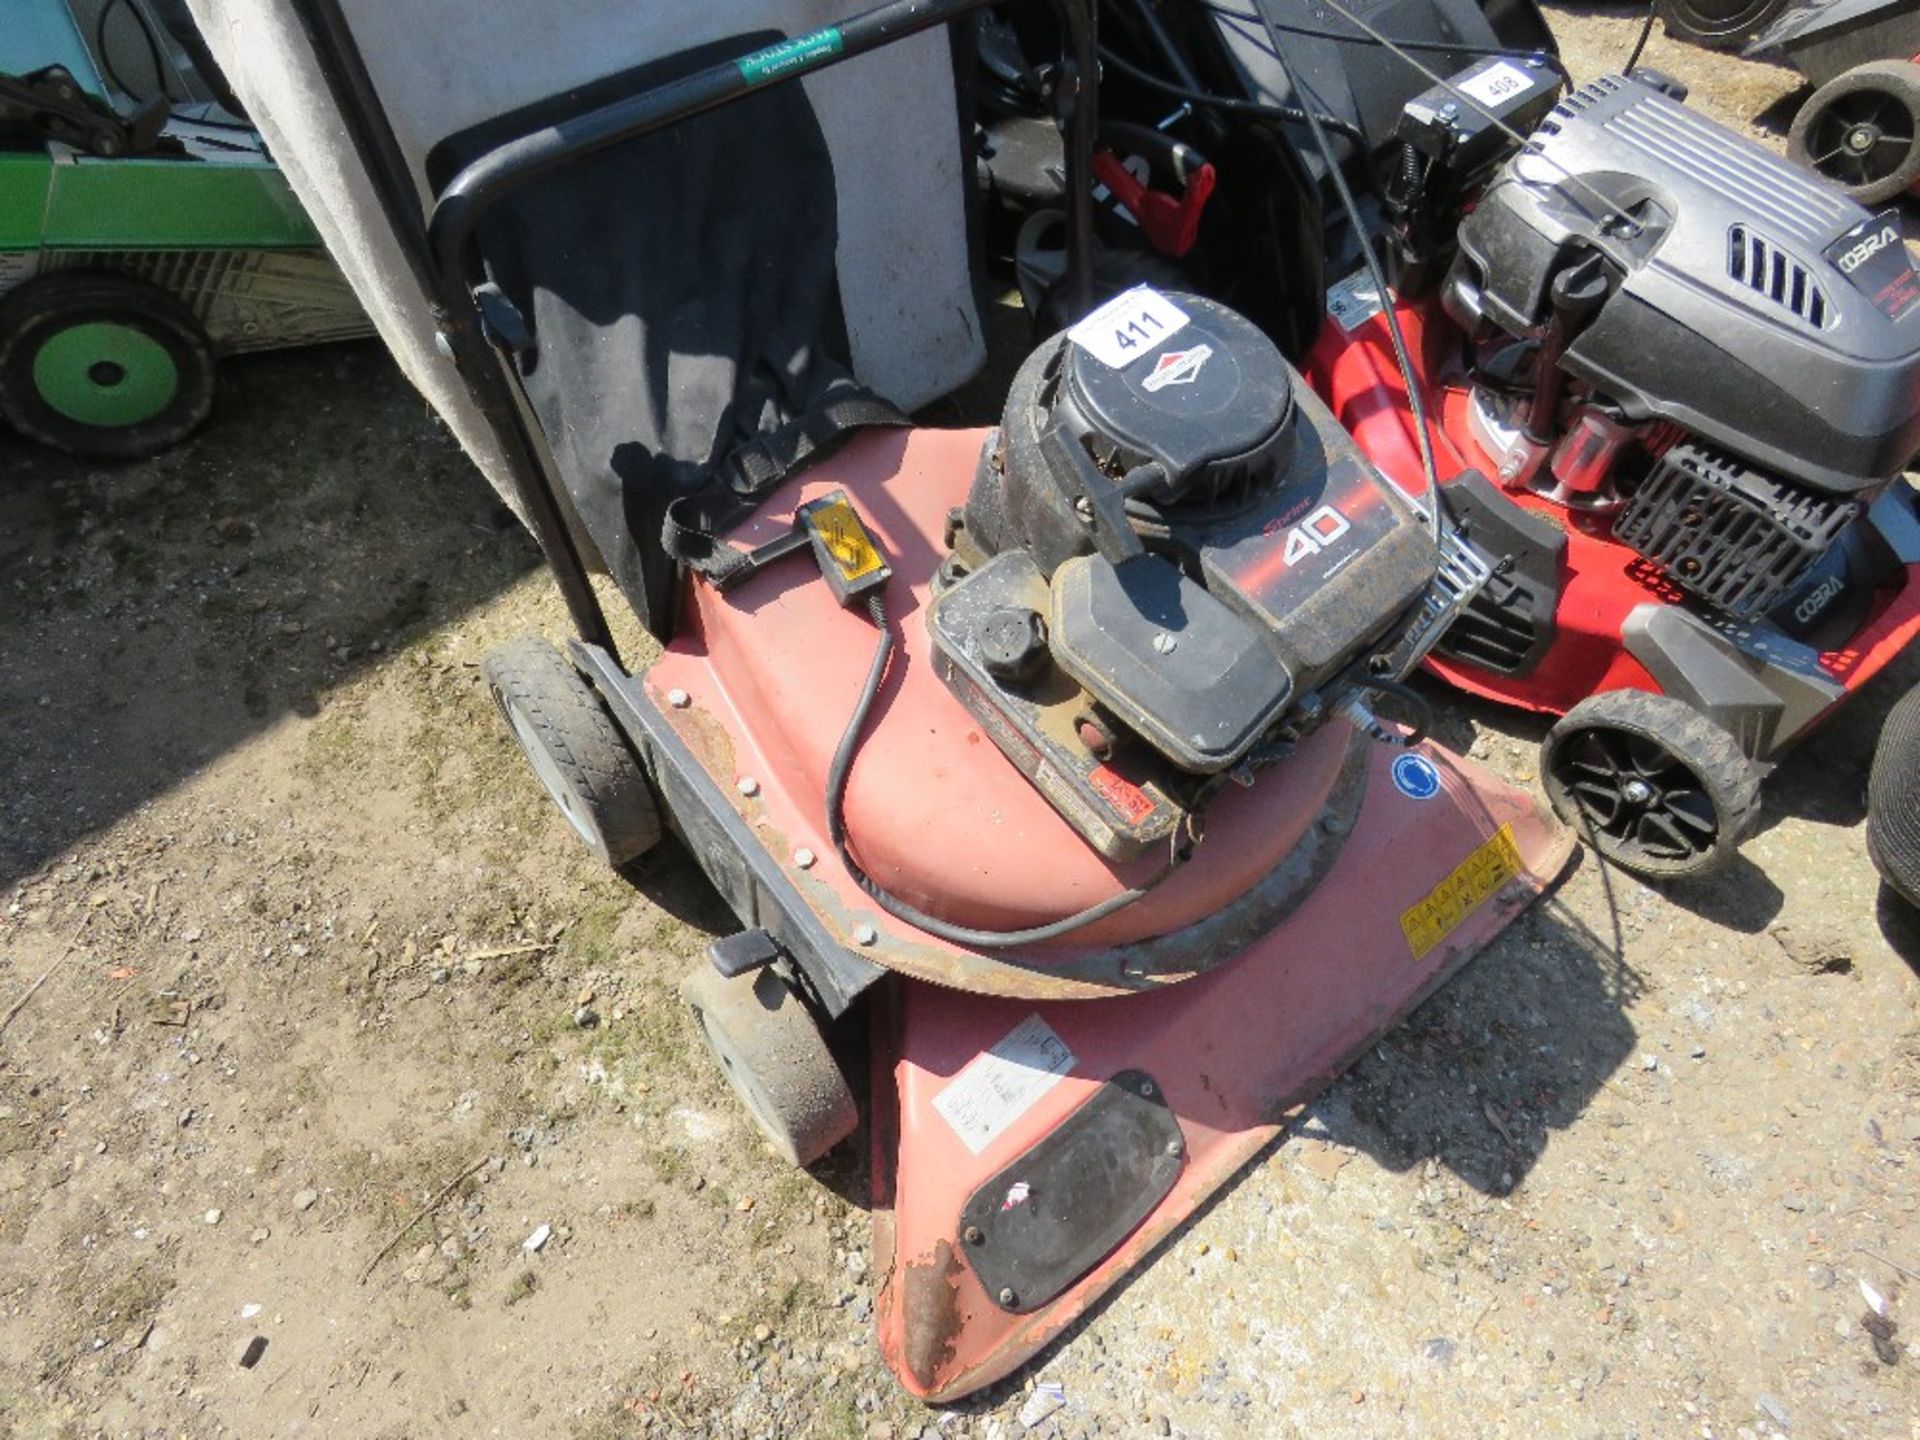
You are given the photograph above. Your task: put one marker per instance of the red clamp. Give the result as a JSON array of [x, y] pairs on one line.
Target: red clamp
[[1171, 225]]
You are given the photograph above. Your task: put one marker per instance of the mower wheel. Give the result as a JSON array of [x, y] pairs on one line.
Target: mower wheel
[[1861, 130], [775, 1057], [1650, 783], [1718, 24], [102, 365], [1893, 801], [570, 740]]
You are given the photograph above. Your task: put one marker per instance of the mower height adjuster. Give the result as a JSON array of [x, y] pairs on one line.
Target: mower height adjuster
[[741, 954]]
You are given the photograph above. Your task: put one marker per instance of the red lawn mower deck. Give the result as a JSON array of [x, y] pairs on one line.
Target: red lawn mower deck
[[1044, 1117]]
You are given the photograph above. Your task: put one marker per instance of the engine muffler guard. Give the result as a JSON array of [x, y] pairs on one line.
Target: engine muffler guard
[[1027, 1156]]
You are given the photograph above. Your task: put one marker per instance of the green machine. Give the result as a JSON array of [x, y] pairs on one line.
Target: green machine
[[144, 231]]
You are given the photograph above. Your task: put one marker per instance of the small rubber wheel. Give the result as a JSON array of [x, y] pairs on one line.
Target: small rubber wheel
[[1861, 130], [1719, 24], [1893, 801], [1651, 783], [776, 1059], [581, 758], [102, 365]]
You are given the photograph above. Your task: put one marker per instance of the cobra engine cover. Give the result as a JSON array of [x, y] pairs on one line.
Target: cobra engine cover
[[1169, 550], [1748, 301]]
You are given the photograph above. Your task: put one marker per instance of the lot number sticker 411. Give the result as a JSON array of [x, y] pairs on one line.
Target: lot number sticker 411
[[1128, 326]]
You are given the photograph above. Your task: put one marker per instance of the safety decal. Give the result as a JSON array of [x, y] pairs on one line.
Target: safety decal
[[1354, 301], [1474, 879], [1128, 326], [1416, 777], [1129, 801], [1000, 1085]]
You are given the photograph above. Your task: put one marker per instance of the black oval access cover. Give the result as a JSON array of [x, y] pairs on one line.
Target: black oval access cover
[[1059, 1209]]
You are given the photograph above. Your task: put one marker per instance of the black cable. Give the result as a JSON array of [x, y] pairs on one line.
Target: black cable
[[1416, 402], [1646, 33], [1226, 102], [842, 768], [1440, 47]]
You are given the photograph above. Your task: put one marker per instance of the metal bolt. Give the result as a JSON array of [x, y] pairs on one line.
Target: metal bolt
[[1638, 792], [747, 785], [1164, 644], [972, 1235], [1536, 62], [1175, 1147], [679, 699], [803, 857], [1146, 1088], [1449, 110], [1007, 1297], [865, 935]]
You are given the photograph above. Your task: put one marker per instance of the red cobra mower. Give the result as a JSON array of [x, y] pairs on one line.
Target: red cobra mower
[[1667, 381], [1053, 741], [1671, 383]]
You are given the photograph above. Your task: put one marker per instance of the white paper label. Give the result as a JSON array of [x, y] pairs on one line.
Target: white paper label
[[998, 1087], [1497, 82], [1128, 326], [1354, 301]]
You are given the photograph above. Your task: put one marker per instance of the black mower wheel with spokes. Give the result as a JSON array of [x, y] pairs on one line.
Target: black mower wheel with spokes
[[581, 759], [1650, 783], [1861, 130], [1719, 24]]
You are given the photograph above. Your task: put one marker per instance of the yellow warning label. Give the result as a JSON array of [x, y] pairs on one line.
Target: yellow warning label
[[846, 539], [1475, 878]]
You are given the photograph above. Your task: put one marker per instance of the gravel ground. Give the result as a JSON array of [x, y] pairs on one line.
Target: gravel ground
[[346, 1098]]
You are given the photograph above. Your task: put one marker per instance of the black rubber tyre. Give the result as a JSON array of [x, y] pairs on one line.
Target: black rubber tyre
[[1893, 801], [1719, 24], [580, 758], [1651, 783], [1861, 130], [772, 1052], [102, 365]]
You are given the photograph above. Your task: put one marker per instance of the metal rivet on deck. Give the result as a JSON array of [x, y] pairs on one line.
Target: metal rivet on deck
[[747, 785], [679, 699], [803, 857]]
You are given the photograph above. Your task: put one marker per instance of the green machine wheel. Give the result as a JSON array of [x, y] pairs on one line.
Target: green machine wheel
[[102, 365]]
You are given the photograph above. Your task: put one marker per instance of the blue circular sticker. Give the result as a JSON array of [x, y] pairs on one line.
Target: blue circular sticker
[[1416, 777]]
